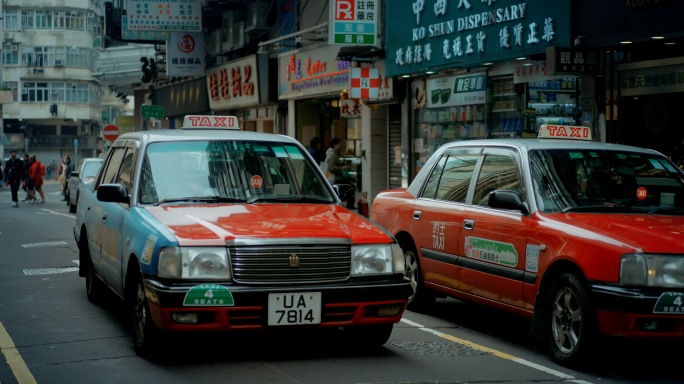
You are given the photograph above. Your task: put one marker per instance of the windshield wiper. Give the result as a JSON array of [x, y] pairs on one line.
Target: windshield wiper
[[667, 211], [200, 199], [601, 208], [289, 198]]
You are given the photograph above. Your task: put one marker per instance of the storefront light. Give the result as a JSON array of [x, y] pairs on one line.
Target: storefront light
[[521, 58], [626, 42], [657, 37]]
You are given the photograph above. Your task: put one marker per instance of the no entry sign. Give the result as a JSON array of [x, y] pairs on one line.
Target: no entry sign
[[111, 132]]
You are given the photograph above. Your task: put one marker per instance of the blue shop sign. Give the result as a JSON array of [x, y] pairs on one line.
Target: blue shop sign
[[429, 35]]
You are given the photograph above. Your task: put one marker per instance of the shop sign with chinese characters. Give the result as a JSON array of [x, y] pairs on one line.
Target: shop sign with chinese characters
[[644, 81], [467, 33], [185, 54], [234, 84], [354, 22], [457, 90], [572, 61], [164, 15]]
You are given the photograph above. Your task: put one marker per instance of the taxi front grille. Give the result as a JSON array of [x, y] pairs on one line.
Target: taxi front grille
[[269, 264]]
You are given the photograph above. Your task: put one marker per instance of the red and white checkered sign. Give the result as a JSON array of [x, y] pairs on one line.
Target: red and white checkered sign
[[365, 83]]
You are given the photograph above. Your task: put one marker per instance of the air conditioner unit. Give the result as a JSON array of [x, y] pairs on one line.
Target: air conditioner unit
[[59, 63], [239, 34], [9, 35], [256, 15]]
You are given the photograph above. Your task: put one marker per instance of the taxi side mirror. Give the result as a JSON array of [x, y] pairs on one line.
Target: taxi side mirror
[[113, 193], [505, 199]]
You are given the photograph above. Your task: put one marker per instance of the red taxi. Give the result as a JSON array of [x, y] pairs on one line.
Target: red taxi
[[584, 238], [209, 228]]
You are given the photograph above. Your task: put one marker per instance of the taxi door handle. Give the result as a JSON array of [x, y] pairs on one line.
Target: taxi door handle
[[468, 224], [104, 217], [417, 215]]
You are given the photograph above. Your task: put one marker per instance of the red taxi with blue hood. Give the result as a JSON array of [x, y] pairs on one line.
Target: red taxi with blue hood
[[584, 238], [209, 228]]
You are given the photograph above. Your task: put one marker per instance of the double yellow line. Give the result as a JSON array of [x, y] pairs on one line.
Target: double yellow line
[[13, 358]]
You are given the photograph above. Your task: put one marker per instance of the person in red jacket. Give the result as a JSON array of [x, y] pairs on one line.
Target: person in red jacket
[[36, 172]]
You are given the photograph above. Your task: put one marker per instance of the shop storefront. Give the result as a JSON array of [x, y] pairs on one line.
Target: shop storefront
[[313, 83], [182, 98], [477, 70], [242, 88]]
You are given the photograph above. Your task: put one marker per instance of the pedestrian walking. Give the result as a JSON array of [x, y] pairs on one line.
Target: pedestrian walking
[[28, 183], [36, 173], [316, 150], [67, 168], [14, 175]]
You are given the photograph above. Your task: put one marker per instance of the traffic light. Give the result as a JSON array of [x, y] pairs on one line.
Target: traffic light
[[148, 70]]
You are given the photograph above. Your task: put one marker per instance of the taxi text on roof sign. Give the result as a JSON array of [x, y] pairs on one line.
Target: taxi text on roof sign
[[564, 132], [210, 122]]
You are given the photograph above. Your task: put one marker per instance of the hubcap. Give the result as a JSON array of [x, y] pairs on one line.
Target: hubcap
[[566, 320], [411, 271]]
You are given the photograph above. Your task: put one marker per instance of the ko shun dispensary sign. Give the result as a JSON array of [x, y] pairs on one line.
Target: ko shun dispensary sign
[[439, 34]]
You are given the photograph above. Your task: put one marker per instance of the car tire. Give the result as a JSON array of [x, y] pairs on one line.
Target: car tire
[[145, 333], [95, 288], [572, 330], [369, 336], [422, 298]]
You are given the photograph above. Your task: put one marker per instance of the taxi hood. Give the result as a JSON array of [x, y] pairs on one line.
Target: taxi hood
[[650, 233], [216, 224]]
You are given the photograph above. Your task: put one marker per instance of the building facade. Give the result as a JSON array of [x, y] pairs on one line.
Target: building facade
[[49, 50]]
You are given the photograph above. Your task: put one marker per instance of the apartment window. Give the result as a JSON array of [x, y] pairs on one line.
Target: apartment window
[[75, 20], [27, 19], [37, 56], [43, 19], [35, 92], [11, 20], [10, 54]]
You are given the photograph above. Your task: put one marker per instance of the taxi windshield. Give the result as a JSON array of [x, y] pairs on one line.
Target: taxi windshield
[[231, 171], [603, 181]]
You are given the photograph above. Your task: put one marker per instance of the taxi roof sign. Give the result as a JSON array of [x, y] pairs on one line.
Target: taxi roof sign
[[210, 122], [569, 132]]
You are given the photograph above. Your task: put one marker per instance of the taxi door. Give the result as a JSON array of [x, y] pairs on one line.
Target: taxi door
[[437, 216], [493, 241], [113, 220], [98, 212]]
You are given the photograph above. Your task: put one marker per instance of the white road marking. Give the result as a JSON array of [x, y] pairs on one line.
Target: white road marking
[[44, 244], [51, 271], [495, 352]]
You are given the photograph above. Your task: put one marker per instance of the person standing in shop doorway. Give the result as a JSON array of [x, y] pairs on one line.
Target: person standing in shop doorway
[[14, 175], [332, 159]]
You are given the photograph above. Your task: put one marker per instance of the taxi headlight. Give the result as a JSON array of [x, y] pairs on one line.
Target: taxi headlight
[[377, 259], [194, 263], [652, 270]]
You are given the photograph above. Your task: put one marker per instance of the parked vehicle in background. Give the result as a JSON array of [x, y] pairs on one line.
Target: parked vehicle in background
[[209, 228], [584, 238], [85, 173]]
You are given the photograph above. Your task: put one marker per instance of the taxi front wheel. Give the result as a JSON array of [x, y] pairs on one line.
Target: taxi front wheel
[[572, 325], [421, 298], [145, 332]]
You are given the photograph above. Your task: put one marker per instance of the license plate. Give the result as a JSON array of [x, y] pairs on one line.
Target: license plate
[[294, 308]]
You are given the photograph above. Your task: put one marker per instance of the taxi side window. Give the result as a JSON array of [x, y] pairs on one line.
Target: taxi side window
[[112, 168], [430, 191], [499, 172], [455, 180], [126, 174]]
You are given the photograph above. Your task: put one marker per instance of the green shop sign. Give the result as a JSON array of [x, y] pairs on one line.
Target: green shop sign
[[430, 35]]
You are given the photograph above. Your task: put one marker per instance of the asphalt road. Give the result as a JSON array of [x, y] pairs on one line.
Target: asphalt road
[[51, 333]]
